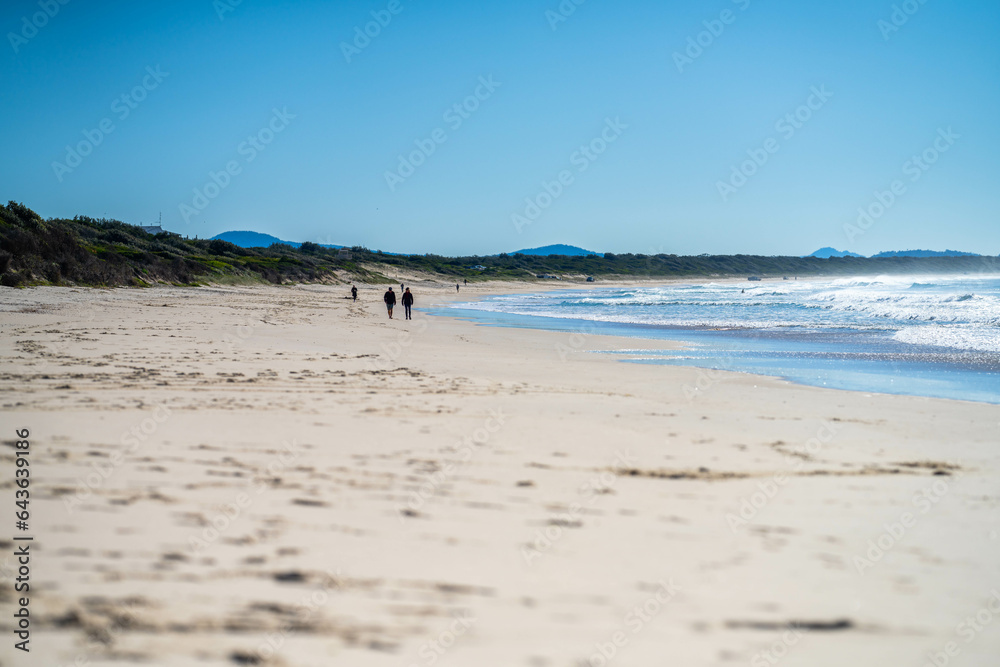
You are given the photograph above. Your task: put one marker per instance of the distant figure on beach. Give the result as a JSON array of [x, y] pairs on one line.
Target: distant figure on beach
[[407, 302], [390, 301], [400, 287], [466, 281], [354, 292], [456, 287]]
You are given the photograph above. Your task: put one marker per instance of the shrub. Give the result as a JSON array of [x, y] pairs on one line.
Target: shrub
[[117, 236], [220, 247], [11, 279]]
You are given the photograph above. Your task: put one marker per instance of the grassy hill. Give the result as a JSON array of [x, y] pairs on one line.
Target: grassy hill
[[85, 251]]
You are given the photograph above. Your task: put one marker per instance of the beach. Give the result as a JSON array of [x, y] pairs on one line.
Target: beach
[[281, 476]]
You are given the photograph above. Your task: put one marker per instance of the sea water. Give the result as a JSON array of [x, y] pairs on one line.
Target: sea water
[[935, 336]]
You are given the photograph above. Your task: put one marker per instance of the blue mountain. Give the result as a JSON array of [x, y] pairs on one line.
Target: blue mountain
[[826, 253], [252, 239], [258, 240], [558, 249]]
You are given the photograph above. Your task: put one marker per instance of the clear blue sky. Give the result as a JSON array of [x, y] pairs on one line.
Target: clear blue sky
[[655, 188]]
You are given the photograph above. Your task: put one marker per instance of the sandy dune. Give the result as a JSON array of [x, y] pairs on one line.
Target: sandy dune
[[278, 476]]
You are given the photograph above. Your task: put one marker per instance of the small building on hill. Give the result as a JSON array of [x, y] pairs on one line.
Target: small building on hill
[[155, 229]]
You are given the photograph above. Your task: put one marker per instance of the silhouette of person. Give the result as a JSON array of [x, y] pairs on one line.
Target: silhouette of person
[[407, 300], [390, 301]]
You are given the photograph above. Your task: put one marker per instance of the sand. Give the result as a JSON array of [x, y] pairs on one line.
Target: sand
[[279, 476]]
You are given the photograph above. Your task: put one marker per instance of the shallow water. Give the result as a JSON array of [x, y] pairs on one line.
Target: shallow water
[[925, 336]]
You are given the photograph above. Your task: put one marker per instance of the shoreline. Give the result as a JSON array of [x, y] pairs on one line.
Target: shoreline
[[408, 473], [863, 375]]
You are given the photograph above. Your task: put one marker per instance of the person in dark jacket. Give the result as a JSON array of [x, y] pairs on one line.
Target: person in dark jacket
[[407, 302], [354, 292], [390, 301]]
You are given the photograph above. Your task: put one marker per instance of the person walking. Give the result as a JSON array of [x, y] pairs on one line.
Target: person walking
[[456, 287], [407, 300], [354, 292], [390, 301]]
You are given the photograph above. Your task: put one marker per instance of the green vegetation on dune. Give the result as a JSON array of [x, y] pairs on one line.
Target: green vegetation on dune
[[625, 266], [85, 251]]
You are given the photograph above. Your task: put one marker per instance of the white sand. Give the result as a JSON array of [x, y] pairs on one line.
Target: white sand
[[314, 423]]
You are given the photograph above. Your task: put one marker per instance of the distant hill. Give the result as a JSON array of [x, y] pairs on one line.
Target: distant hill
[[558, 249], [258, 240], [925, 253], [825, 253], [252, 239]]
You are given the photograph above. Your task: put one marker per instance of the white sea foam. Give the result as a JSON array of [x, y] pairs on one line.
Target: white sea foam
[[959, 312], [952, 336]]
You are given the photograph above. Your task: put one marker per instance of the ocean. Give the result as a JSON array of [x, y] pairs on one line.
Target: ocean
[[935, 336]]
